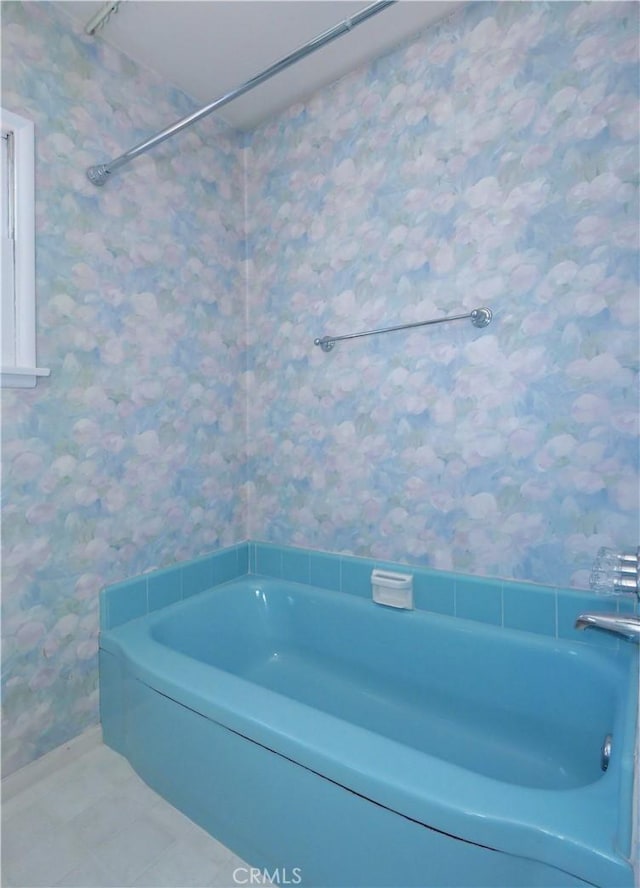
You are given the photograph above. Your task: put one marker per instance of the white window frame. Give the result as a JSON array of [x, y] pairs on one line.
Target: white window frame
[[19, 370]]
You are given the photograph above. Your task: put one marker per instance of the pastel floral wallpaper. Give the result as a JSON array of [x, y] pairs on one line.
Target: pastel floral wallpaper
[[492, 161], [132, 454]]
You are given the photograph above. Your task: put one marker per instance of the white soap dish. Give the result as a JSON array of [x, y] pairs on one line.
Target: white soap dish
[[392, 589]]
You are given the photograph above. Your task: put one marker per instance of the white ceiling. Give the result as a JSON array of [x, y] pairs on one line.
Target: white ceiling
[[208, 47]]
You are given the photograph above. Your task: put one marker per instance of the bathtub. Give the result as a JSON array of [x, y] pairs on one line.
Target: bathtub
[[337, 742]]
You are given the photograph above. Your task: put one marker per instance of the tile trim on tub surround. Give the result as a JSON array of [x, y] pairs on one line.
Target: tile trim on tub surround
[[531, 607], [121, 602], [543, 610]]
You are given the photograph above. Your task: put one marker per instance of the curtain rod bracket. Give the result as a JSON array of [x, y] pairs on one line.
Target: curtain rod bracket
[[98, 174], [101, 18], [481, 317]]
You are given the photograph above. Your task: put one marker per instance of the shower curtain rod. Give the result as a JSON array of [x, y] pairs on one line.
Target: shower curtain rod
[[99, 174]]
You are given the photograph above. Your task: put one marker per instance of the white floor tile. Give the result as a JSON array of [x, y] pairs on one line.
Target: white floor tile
[[23, 827], [46, 861], [73, 791], [96, 824], [106, 817], [180, 866], [131, 851], [225, 872], [108, 763], [186, 830], [33, 796], [91, 873], [137, 791]]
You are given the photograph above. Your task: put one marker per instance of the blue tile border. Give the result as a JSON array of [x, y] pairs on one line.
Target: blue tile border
[[510, 604], [243, 559], [324, 571], [514, 605], [268, 560], [164, 587], [355, 576], [122, 602], [295, 565], [480, 599], [527, 611], [126, 601], [434, 592], [197, 576]]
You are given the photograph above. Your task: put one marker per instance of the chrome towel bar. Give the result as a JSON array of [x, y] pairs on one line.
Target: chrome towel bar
[[480, 317]]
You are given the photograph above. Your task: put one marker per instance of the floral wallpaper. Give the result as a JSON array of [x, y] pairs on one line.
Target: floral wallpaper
[[492, 162], [132, 454]]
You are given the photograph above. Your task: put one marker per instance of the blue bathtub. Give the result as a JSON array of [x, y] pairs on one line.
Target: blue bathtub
[[359, 745]]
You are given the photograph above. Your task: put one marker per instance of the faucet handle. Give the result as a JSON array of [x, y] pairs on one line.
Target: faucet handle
[[631, 557], [601, 581], [606, 583], [607, 555], [626, 583], [615, 572]]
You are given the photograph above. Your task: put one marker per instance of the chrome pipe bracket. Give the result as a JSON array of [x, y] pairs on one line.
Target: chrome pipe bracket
[[98, 174], [481, 317], [326, 343]]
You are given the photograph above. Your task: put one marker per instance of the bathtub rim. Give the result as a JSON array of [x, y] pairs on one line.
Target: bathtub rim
[[328, 745]]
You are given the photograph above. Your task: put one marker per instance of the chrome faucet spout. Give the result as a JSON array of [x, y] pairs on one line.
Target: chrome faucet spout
[[629, 626]]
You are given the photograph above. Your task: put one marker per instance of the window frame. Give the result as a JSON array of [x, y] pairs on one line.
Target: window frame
[[22, 372]]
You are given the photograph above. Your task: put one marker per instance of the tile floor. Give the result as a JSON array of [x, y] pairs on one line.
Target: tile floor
[[95, 823]]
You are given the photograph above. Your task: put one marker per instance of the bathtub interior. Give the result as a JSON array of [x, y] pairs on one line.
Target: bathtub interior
[[492, 702]]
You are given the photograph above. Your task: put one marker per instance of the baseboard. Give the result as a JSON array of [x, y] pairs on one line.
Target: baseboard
[[51, 762]]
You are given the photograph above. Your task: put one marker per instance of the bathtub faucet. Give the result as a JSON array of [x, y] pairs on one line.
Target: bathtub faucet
[[629, 626]]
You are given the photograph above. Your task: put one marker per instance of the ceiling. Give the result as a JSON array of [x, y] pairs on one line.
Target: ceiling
[[208, 47]]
